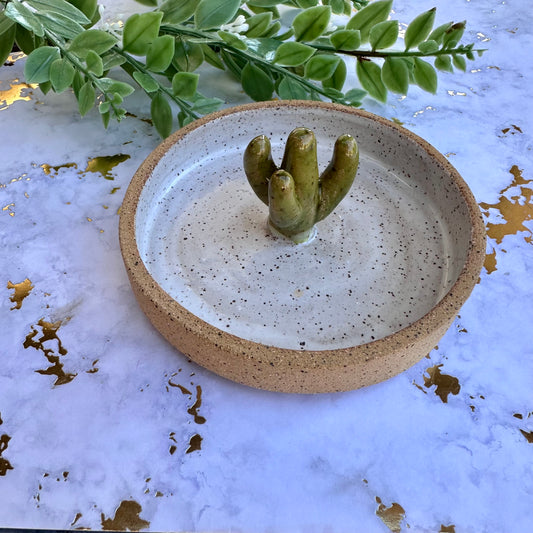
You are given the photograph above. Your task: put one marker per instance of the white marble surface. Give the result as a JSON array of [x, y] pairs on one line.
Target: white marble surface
[[104, 425]]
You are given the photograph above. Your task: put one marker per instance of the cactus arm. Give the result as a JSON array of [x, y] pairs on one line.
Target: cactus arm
[[259, 166], [300, 161], [336, 180], [284, 208]]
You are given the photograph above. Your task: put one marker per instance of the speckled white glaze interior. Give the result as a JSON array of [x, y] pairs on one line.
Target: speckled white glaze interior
[[382, 260]]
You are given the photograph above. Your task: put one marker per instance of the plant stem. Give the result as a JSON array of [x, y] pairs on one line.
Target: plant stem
[[213, 41], [138, 66]]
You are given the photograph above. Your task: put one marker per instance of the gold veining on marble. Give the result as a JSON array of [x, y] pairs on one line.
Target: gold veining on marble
[[513, 130], [528, 435], [114, 190], [23, 176], [447, 529], [183, 389], [391, 516], [18, 92], [48, 169], [195, 443], [105, 164], [8, 209], [126, 518], [94, 368], [427, 108], [49, 333], [193, 410], [5, 465], [514, 210], [445, 384], [490, 262], [22, 290], [76, 518]]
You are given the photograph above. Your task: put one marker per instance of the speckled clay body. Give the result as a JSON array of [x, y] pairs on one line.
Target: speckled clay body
[[366, 299]]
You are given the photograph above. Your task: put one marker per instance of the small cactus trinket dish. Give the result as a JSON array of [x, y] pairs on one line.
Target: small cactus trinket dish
[[346, 293]]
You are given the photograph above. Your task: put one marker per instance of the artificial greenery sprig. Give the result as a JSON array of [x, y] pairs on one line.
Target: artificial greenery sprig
[[68, 45]]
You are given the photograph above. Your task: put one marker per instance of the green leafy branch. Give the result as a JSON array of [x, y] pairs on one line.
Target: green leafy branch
[[69, 46]]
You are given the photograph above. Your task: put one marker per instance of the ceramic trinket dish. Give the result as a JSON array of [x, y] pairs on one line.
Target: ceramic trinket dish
[[366, 298]]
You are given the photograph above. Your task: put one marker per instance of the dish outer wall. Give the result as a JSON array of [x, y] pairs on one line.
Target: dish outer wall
[[407, 157]]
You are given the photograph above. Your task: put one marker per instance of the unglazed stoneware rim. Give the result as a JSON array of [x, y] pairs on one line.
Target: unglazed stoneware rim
[[283, 369]]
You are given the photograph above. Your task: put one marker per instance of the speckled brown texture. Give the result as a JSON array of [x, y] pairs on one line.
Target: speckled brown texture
[[298, 370]]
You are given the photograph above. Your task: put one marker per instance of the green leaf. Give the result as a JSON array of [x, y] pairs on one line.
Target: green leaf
[[146, 81], [188, 56], [61, 74], [311, 23], [26, 40], [184, 119], [258, 24], [7, 37], [305, 4], [37, 67], [263, 3], [292, 54], [105, 118], [212, 57], [256, 83], [395, 75], [140, 30], [354, 97], [184, 84], [59, 7], [428, 47], [98, 41], [87, 7], [176, 11], [232, 39], [453, 35], [419, 28], [160, 53], [290, 89], [273, 30], [94, 63], [337, 6], [213, 13], [383, 34], [110, 85], [149, 3], [60, 25], [437, 34], [369, 75], [86, 98], [425, 75], [161, 115], [336, 81], [459, 62], [112, 60], [22, 15], [203, 105], [444, 63], [45, 87], [368, 17], [321, 66], [77, 82], [346, 39]]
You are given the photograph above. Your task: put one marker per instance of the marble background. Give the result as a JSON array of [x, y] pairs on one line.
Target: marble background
[[104, 426]]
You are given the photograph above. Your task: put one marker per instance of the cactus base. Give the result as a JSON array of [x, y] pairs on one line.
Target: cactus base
[[304, 237]]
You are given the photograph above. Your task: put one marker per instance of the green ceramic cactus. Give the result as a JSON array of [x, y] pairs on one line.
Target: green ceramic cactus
[[297, 197]]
